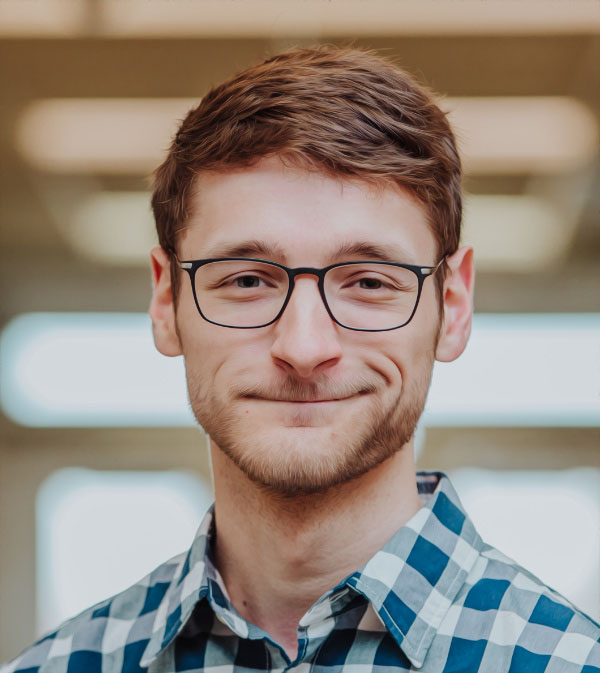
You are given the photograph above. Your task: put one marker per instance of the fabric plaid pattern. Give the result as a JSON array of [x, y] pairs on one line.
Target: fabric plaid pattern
[[435, 599]]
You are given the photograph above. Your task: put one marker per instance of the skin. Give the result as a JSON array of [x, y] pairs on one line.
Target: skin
[[311, 424]]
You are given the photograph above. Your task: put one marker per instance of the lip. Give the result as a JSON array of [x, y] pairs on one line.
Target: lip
[[319, 401], [315, 401]]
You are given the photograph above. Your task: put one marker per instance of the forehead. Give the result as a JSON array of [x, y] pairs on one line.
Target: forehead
[[303, 216]]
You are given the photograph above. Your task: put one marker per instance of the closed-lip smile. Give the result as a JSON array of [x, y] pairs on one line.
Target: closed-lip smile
[[315, 401]]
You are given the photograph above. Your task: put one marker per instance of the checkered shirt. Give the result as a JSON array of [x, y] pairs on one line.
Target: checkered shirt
[[434, 599]]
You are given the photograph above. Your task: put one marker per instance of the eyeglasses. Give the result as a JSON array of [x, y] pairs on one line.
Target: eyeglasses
[[246, 293]]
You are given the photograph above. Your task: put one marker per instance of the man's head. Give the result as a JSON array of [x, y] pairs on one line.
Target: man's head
[[341, 111], [312, 158]]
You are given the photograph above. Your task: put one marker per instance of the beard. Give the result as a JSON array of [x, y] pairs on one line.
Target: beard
[[305, 459]]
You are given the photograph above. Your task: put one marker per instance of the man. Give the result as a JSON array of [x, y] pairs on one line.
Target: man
[[309, 271]]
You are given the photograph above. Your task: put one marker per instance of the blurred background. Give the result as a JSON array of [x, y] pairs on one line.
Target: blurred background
[[102, 472]]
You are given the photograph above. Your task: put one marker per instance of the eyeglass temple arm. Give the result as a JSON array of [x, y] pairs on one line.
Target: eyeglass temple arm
[[182, 265], [430, 270]]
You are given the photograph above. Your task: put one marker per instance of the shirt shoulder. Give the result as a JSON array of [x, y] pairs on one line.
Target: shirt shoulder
[[520, 620], [110, 636]]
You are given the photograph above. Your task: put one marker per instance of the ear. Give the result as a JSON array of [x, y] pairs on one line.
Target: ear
[[458, 305], [162, 308]]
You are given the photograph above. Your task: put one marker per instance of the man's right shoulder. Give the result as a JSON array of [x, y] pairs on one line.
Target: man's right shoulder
[[118, 628]]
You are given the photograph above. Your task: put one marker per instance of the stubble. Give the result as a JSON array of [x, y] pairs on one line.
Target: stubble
[[294, 462]]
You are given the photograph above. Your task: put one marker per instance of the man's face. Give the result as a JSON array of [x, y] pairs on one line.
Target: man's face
[[304, 404]]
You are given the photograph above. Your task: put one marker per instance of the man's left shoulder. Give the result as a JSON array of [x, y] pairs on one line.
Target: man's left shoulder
[[524, 619]]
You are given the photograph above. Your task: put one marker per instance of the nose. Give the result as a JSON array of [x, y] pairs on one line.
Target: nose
[[306, 338]]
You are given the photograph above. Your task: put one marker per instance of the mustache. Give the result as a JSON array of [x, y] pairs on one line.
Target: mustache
[[293, 390]]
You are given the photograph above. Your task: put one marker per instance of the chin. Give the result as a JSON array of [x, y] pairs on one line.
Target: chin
[[306, 460], [308, 451], [299, 465]]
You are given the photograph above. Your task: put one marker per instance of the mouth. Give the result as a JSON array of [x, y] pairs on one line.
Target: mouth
[[299, 395], [303, 410], [304, 400], [293, 401], [336, 399]]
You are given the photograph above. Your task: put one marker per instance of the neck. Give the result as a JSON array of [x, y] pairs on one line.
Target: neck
[[278, 555]]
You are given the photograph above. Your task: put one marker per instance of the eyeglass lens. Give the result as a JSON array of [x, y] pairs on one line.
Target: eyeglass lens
[[245, 293]]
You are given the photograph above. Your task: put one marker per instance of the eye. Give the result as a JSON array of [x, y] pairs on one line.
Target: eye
[[370, 283], [248, 281]]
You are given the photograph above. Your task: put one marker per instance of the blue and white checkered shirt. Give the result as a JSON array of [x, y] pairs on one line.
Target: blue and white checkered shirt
[[435, 598]]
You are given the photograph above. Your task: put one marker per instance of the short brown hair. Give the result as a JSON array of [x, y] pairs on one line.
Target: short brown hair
[[345, 111]]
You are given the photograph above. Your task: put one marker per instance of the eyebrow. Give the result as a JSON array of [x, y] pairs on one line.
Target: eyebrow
[[346, 252], [372, 251], [251, 248]]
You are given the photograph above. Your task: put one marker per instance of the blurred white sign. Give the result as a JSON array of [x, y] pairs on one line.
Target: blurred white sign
[[101, 369], [98, 532]]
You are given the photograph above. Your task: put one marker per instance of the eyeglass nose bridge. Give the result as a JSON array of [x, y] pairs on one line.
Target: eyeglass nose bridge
[[306, 271]]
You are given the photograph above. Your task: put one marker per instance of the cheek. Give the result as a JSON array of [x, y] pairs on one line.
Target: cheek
[[409, 352], [214, 356], [203, 347]]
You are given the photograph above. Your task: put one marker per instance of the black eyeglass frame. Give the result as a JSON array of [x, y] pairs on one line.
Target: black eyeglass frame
[[421, 272]]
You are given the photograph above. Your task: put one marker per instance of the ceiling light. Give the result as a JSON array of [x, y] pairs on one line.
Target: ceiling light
[[515, 233], [112, 227], [340, 18], [131, 136], [295, 18], [42, 18], [509, 233], [518, 134], [98, 135]]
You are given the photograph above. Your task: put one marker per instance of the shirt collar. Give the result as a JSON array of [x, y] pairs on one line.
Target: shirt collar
[[190, 584], [410, 583], [413, 580]]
